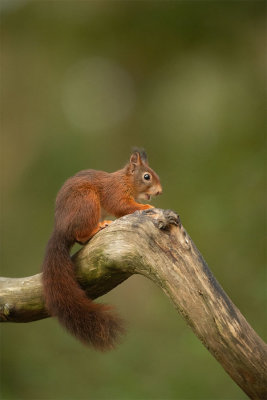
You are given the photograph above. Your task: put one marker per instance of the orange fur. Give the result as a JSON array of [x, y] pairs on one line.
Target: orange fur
[[77, 219]]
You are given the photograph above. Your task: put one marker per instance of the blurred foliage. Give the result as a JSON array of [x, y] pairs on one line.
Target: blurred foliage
[[83, 82]]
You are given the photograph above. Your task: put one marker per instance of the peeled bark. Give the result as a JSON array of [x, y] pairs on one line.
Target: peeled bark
[[155, 244]]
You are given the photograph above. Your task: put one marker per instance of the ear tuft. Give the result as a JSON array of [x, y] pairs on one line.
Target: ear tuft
[[142, 154]]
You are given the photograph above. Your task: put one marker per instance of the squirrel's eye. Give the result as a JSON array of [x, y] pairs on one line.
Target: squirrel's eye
[[147, 177]]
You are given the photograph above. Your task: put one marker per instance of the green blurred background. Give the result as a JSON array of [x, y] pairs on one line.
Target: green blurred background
[[84, 81]]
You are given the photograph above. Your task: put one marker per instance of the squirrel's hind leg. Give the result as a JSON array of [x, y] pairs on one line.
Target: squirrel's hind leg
[[87, 217]]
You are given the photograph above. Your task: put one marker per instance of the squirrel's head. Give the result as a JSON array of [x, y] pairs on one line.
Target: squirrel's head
[[145, 181]]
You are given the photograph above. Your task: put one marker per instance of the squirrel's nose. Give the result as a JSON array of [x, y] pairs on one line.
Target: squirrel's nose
[[159, 192]]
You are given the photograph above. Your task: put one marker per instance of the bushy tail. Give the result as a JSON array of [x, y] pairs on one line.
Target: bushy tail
[[92, 323]]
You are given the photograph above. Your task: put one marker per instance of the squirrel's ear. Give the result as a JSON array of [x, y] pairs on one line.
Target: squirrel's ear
[[135, 161], [142, 154], [135, 158]]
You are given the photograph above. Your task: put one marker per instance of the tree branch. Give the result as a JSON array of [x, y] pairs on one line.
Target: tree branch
[[155, 244]]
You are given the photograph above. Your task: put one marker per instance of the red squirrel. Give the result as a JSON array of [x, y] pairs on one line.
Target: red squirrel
[[77, 219]]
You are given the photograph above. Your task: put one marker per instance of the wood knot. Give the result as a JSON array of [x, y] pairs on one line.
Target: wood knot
[[164, 219]]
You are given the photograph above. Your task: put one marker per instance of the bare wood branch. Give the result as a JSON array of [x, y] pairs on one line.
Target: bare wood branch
[[155, 244]]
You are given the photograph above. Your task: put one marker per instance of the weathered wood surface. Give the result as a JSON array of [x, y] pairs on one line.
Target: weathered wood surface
[[155, 244]]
